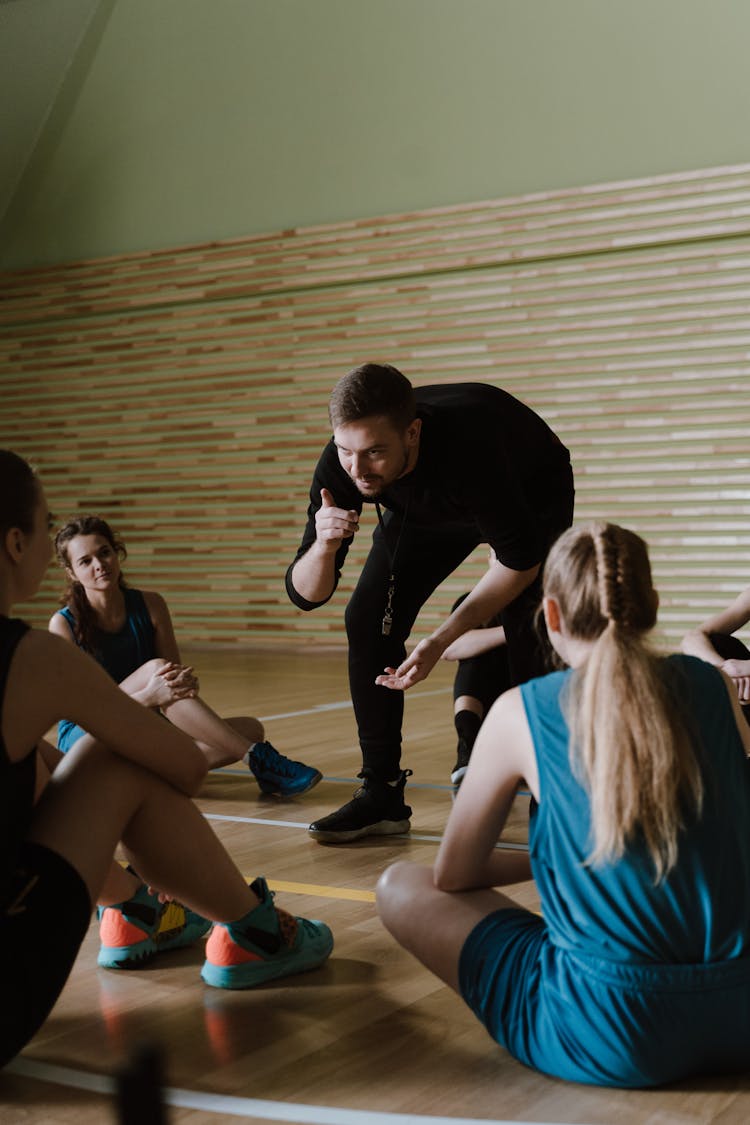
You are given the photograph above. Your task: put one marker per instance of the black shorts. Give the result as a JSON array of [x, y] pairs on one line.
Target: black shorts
[[43, 920]]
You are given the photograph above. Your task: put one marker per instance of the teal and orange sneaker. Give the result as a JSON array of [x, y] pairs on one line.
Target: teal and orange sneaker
[[267, 943], [133, 932]]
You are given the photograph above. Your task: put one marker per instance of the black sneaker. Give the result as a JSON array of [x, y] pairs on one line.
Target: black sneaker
[[463, 754], [377, 809]]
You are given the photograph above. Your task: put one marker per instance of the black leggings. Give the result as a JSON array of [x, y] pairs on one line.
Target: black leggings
[[483, 677], [43, 919], [426, 557]]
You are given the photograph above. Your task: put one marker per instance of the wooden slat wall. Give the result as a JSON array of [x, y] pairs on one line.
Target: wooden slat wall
[[183, 393]]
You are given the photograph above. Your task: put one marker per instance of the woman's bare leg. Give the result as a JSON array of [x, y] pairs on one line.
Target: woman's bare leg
[[432, 924], [119, 884], [96, 798], [222, 740]]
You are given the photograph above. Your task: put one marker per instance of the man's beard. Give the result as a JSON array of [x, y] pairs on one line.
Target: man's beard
[[370, 497]]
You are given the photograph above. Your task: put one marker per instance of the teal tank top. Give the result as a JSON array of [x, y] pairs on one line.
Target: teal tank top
[[698, 913], [118, 653]]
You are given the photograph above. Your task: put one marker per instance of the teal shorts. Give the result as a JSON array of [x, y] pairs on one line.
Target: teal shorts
[[67, 735], [601, 1022]]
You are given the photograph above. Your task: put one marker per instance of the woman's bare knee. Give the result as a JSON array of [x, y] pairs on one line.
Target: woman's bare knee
[[138, 679], [397, 890]]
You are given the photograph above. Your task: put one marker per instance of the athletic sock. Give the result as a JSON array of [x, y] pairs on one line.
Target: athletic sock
[[467, 725], [264, 916], [146, 896]]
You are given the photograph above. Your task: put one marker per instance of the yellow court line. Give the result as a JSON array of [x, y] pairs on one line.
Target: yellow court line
[[333, 892], [321, 892]]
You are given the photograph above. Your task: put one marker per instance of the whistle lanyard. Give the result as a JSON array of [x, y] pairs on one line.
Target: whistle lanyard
[[388, 613]]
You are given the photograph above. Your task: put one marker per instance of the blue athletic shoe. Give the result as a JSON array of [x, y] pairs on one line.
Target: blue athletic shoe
[[266, 944], [133, 932], [280, 776]]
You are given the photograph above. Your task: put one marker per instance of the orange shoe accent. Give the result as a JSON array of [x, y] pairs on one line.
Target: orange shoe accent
[[222, 950], [116, 931]]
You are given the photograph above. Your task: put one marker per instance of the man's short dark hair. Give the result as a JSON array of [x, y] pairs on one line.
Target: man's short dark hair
[[373, 389]]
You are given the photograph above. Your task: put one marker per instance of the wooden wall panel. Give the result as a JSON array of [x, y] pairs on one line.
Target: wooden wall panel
[[183, 393]]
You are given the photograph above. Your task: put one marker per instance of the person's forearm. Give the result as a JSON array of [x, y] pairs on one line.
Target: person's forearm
[[696, 643], [497, 588], [500, 869], [314, 574], [475, 643], [505, 867]]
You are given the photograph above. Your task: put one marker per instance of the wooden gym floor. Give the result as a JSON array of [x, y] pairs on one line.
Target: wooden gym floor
[[371, 1038]]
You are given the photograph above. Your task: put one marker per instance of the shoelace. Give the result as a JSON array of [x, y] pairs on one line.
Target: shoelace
[[287, 926], [271, 759]]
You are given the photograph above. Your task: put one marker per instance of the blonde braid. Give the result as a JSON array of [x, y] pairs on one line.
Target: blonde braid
[[629, 742], [611, 575], [617, 601]]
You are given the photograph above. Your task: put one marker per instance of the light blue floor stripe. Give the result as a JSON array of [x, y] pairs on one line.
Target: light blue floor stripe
[[502, 846], [341, 705], [233, 772]]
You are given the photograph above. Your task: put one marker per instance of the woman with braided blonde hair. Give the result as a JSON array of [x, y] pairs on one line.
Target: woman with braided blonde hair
[[637, 972], [634, 751]]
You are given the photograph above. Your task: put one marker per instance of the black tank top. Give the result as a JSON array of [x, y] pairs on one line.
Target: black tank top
[[16, 778]]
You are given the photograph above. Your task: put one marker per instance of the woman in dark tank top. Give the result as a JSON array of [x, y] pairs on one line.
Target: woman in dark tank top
[[130, 633]]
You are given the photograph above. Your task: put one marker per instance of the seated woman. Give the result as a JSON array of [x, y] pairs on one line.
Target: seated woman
[[132, 784], [129, 632], [637, 972], [714, 641]]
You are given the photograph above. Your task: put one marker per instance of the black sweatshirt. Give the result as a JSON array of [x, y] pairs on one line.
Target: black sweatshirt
[[486, 462]]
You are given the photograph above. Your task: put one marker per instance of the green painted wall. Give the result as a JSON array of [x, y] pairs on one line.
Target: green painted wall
[[206, 119]]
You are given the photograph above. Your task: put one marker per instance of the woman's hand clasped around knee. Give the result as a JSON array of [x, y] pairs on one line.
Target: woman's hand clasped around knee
[[168, 684]]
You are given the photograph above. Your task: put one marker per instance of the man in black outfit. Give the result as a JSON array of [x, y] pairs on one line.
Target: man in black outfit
[[448, 467]]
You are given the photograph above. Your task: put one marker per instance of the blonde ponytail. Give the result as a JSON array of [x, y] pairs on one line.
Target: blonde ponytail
[[628, 741]]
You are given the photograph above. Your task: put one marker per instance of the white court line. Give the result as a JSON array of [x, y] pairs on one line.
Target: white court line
[[300, 824], [296, 1112], [230, 771], [441, 788], [340, 706]]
